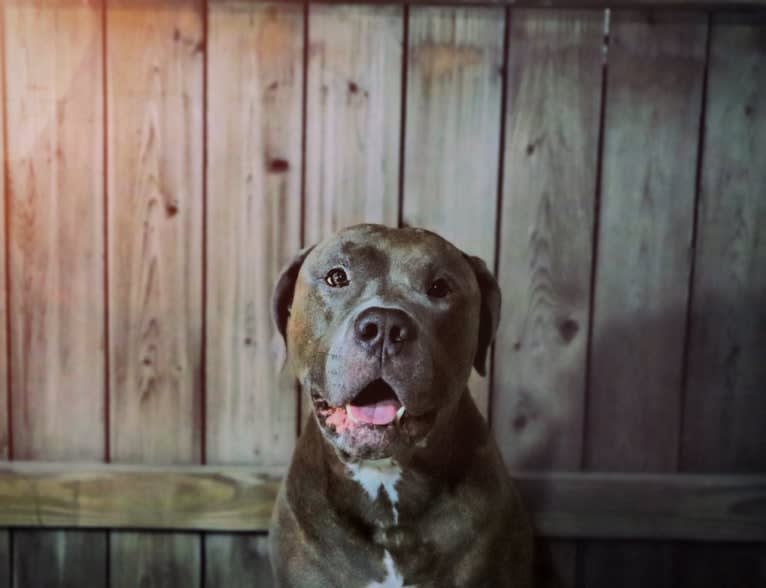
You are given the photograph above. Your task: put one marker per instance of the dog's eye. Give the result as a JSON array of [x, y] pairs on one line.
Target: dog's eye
[[439, 289], [336, 278]]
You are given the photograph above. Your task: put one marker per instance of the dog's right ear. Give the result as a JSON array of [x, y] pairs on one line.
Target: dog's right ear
[[282, 297]]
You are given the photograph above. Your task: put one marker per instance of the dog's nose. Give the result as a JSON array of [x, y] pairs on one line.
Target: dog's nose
[[387, 329]]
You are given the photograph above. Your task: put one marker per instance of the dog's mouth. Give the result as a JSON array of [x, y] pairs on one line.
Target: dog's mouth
[[373, 424], [376, 405]]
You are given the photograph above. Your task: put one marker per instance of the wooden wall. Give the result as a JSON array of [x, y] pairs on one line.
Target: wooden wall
[[163, 159]]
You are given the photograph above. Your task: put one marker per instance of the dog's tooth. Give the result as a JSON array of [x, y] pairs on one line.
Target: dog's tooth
[[399, 414]]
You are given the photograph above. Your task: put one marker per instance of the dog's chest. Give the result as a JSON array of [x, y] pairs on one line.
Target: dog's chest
[[375, 477], [378, 476]]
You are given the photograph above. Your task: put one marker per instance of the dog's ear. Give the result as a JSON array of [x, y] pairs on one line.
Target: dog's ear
[[490, 311], [282, 297]]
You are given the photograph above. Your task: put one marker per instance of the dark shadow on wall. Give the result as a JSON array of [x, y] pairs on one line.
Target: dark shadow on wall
[[667, 397]]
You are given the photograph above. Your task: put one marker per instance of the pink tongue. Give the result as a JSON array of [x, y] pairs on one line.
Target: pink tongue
[[380, 413]]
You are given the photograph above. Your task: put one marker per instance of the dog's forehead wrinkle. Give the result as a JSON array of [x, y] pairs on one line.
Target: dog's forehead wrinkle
[[391, 239]]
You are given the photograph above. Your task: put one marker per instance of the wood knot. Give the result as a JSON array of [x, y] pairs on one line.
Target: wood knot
[[568, 329], [278, 165]]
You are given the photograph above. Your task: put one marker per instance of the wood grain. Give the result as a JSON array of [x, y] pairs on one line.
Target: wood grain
[[55, 138], [721, 565], [114, 496], [5, 546], [55, 191], [452, 140], [155, 560], [254, 138], [4, 321], [609, 563], [80, 560], [547, 221], [155, 130], [646, 506], [353, 117], [6, 555], [652, 116], [155, 214], [725, 408], [554, 99], [254, 121], [240, 498], [247, 564], [656, 63]]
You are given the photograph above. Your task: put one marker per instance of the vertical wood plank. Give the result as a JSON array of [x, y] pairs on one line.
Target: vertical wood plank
[[155, 560], [155, 129], [55, 174], [55, 138], [255, 84], [74, 559], [551, 150], [554, 98], [650, 146], [654, 90], [254, 137], [5, 546], [452, 139], [5, 559], [241, 560], [353, 117], [628, 563], [4, 315], [721, 565], [725, 408]]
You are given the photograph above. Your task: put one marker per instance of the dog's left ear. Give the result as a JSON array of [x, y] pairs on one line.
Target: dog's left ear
[[282, 297], [490, 311]]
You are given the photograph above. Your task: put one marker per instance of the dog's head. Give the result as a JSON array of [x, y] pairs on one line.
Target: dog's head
[[382, 327]]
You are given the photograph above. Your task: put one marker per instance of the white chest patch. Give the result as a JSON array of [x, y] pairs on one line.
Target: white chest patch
[[393, 578], [374, 475]]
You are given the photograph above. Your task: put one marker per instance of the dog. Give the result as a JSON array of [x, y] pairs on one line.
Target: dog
[[395, 480]]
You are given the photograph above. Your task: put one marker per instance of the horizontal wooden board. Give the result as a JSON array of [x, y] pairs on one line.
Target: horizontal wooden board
[[115, 496], [648, 506], [235, 498]]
